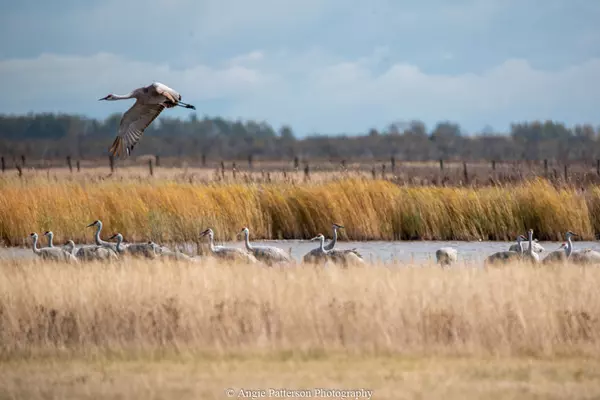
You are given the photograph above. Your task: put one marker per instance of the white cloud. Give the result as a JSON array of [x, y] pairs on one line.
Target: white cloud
[[314, 90]]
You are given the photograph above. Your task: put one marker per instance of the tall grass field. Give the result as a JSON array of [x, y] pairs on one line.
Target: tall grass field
[[168, 211], [167, 329]]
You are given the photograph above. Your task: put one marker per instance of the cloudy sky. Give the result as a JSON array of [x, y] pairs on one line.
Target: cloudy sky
[[326, 66]]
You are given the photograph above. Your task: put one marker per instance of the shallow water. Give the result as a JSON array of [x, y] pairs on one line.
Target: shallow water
[[406, 251]]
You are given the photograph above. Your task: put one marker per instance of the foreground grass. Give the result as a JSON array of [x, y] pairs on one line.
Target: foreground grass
[[155, 329], [167, 211], [388, 377], [136, 308]]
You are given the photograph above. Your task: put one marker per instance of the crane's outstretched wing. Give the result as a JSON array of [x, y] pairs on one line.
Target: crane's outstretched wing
[[133, 123]]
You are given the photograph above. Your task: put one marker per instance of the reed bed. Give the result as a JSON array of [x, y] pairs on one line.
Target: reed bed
[[148, 308], [166, 211]]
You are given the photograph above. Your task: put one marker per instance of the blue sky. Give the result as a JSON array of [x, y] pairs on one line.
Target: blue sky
[[326, 66]]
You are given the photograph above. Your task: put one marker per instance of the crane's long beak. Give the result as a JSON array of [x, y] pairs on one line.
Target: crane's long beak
[[104, 98], [184, 105], [92, 224]]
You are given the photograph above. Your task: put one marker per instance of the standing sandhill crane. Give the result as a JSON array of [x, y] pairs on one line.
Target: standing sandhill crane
[[147, 250], [321, 254], [50, 236], [52, 253], [268, 254], [344, 256], [530, 255], [557, 256], [581, 257], [151, 100], [504, 257], [229, 253], [446, 255], [538, 248], [99, 242], [91, 253], [331, 245]]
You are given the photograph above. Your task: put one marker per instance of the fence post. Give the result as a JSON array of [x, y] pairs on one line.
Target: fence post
[[3, 164], [78, 166], [307, 172], [441, 164], [296, 162], [111, 162], [393, 161], [465, 172], [597, 167], [233, 169], [69, 164], [382, 171], [223, 169], [150, 167]]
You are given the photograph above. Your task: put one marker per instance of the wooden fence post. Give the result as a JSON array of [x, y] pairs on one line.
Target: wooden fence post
[[69, 164], [150, 167], [393, 161], [78, 166], [441, 164], [111, 162], [465, 172], [3, 164]]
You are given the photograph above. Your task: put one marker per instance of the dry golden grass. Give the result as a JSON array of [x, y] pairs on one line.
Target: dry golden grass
[[139, 307], [154, 329], [168, 211]]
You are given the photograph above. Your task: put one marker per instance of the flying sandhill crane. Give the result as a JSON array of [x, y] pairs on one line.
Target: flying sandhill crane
[[446, 256], [268, 254], [150, 101], [228, 253], [51, 253], [503, 257]]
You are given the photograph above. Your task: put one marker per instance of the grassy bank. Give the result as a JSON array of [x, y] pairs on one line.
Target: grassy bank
[[168, 211], [389, 378], [142, 308]]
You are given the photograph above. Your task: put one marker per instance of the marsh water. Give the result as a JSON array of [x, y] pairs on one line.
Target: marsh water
[[374, 251]]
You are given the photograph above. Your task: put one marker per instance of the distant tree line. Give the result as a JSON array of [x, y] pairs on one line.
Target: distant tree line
[[52, 136]]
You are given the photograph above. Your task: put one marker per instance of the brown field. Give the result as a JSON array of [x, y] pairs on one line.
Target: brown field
[[163, 330]]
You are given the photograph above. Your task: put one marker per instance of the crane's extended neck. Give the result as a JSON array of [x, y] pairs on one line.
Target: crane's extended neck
[[247, 239], [569, 248], [50, 238], [530, 250], [34, 239], [331, 244], [112, 97], [99, 241]]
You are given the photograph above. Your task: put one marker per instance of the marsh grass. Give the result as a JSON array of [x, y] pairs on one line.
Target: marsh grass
[[142, 308], [169, 211]]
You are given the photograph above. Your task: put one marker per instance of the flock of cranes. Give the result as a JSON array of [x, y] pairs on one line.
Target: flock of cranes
[[517, 252], [269, 255]]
